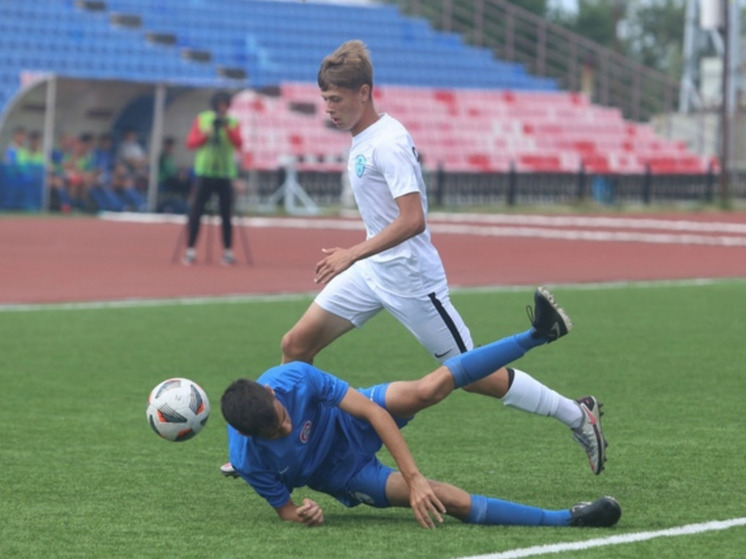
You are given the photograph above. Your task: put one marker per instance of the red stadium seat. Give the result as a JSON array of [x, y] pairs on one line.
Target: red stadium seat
[[470, 130]]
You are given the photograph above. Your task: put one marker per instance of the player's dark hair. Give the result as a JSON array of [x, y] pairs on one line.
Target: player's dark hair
[[348, 67], [249, 408], [218, 98]]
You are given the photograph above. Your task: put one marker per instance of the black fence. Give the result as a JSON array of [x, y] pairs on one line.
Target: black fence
[[455, 190], [514, 188]]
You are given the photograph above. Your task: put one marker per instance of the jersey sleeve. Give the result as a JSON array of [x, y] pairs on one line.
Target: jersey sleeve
[[196, 136], [397, 162], [329, 389], [249, 464], [268, 486]]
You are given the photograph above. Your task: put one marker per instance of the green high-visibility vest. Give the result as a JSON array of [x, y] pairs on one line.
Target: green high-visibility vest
[[215, 158]]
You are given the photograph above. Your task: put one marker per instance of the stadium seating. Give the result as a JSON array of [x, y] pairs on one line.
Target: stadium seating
[[272, 41], [464, 130], [468, 112]]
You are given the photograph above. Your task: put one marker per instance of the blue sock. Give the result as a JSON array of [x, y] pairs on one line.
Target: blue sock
[[482, 361], [490, 511]]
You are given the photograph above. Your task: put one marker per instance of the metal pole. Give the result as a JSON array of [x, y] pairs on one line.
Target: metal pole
[[156, 138], [48, 137], [725, 108], [687, 76]]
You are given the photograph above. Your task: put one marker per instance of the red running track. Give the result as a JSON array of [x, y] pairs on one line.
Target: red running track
[[68, 259]]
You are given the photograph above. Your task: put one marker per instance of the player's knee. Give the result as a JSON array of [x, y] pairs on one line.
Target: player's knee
[[293, 348], [430, 390], [456, 501], [287, 346]]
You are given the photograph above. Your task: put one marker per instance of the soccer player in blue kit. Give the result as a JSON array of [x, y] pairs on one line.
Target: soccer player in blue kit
[[299, 426]]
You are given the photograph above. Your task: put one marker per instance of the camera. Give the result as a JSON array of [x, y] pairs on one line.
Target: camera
[[217, 124]]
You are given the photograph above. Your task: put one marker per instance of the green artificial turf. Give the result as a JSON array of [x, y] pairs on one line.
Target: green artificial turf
[[82, 474]]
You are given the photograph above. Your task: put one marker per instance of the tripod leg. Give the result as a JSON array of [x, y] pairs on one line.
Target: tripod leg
[[209, 226], [245, 243], [180, 243]]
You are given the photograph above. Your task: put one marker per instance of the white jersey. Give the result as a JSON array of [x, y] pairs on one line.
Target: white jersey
[[384, 165]]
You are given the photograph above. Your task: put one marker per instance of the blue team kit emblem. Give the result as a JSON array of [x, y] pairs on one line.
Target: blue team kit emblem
[[360, 165], [305, 433]]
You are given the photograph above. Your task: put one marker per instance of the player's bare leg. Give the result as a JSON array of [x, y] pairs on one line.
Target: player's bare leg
[[315, 330], [495, 385], [479, 509], [405, 398]]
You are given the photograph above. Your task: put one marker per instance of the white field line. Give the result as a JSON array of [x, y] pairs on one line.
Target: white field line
[[547, 549], [270, 298], [524, 226], [163, 302]]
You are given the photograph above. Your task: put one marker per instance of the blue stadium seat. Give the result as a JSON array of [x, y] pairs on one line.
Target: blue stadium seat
[[273, 41]]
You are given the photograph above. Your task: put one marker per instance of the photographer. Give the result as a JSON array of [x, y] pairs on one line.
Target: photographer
[[214, 135]]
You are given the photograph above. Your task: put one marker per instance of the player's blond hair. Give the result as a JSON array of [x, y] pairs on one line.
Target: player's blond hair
[[348, 67]]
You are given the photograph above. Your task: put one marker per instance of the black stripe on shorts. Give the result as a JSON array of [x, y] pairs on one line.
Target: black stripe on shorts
[[448, 322]]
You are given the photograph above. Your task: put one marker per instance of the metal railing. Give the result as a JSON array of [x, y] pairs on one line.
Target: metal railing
[[576, 63]]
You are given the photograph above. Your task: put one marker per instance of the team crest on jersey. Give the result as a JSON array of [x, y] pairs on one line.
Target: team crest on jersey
[[305, 432], [360, 165]]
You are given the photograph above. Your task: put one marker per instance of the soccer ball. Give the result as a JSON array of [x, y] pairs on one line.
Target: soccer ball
[[177, 409]]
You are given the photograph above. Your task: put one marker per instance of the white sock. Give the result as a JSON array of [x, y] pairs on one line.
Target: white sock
[[528, 394]]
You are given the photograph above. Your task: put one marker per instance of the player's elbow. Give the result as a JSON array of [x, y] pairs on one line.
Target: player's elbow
[[416, 224], [288, 512], [419, 226]]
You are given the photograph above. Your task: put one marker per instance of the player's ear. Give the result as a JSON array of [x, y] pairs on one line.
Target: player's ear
[[269, 388], [365, 92]]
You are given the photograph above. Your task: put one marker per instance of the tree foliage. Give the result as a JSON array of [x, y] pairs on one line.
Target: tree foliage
[[650, 32], [654, 35], [538, 7]]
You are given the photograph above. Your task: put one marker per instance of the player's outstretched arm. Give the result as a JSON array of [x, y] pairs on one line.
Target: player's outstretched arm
[[423, 500], [309, 513]]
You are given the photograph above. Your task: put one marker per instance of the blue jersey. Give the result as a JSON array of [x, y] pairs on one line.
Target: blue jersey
[[325, 448]]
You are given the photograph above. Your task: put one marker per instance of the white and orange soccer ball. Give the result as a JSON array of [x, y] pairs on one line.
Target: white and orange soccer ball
[[178, 409]]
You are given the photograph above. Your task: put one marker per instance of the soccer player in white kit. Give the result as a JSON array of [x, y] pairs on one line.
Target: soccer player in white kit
[[396, 267]]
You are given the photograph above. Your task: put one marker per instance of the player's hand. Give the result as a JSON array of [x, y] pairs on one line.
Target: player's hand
[[425, 504], [310, 513], [336, 262]]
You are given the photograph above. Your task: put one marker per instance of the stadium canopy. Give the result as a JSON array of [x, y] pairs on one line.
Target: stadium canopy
[[57, 105]]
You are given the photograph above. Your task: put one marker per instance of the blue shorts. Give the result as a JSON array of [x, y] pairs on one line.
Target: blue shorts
[[367, 485]]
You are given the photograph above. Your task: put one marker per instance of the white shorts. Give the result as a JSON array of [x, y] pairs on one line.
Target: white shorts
[[430, 317]]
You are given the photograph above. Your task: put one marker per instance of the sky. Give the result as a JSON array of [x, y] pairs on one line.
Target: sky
[[566, 5]]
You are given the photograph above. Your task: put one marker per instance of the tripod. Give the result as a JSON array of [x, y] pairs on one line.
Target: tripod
[[210, 220], [291, 192]]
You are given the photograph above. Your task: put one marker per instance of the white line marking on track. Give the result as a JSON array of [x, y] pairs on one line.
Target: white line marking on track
[[685, 530], [589, 235], [568, 228], [594, 222]]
